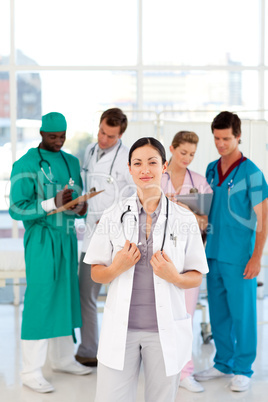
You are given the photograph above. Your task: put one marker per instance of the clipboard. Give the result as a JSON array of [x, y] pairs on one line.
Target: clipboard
[[81, 198], [199, 203]]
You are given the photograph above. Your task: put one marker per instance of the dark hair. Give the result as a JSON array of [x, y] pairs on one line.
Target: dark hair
[[114, 118], [154, 143], [227, 120], [184, 136]]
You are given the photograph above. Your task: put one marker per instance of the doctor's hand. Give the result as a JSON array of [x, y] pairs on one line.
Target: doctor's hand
[[253, 268], [126, 258], [164, 267], [63, 196], [80, 208]]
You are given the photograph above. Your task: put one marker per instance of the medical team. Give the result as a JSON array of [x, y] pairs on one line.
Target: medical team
[[148, 249]]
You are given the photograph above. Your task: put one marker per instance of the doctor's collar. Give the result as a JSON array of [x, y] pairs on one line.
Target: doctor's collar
[[107, 150], [140, 206]]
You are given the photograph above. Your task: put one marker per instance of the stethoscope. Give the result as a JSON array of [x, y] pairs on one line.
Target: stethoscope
[[110, 179], [212, 171], [50, 174], [193, 189], [128, 211]]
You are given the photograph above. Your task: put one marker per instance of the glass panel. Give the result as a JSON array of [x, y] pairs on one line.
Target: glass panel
[[194, 94], [78, 95], [266, 34], [266, 98], [5, 155], [84, 32], [195, 32], [4, 31]]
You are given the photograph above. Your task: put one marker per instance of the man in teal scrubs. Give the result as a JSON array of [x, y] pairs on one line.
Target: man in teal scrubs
[[235, 242], [44, 179]]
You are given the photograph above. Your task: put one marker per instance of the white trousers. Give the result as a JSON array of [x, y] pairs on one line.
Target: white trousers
[[121, 386], [34, 353]]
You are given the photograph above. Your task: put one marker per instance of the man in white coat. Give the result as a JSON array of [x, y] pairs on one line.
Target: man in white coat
[[105, 168]]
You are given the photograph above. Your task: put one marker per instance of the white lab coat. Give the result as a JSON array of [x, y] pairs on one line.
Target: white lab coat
[[174, 324], [95, 174]]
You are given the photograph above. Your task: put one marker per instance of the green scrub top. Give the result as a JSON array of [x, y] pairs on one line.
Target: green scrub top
[[52, 302], [232, 220]]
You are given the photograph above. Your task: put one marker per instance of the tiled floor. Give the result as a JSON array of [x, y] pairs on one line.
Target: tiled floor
[[70, 388]]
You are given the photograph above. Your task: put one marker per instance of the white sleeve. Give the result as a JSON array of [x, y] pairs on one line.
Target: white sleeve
[[100, 247], [48, 205], [86, 156], [195, 256]]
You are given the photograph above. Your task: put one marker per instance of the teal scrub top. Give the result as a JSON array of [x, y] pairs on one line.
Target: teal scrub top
[[232, 220], [52, 302]]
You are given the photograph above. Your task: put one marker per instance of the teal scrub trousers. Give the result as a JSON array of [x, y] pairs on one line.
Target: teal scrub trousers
[[233, 317]]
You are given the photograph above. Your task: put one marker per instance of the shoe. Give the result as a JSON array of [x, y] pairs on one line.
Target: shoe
[[210, 374], [73, 368], [190, 384], [38, 384], [87, 361], [240, 383]]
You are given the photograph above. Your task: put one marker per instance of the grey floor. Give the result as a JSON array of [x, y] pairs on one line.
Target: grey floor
[[70, 388]]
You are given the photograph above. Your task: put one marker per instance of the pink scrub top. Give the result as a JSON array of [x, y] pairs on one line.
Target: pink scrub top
[[199, 181]]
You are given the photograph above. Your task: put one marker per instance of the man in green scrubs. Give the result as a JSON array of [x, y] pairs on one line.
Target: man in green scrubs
[[44, 179]]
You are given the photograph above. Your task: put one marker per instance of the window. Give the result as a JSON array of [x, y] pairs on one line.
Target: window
[[4, 32], [195, 32], [81, 32], [200, 91]]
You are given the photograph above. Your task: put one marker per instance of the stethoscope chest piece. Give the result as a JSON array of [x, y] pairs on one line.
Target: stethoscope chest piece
[[193, 190], [110, 180], [230, 185], [71, 182]]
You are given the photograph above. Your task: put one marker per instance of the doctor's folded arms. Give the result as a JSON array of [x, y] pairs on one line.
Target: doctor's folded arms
[[179, 180], [104, 168], [145, 317], [42, 180]]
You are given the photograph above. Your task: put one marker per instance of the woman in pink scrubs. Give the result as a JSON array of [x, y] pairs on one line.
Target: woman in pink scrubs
[[178, 179]]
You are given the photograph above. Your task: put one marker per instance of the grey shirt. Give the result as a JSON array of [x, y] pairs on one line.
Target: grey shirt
[[101, 152], [142, 313]]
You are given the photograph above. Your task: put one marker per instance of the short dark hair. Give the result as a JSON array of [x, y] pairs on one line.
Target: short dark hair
[[114, 118], [154, 143], [227, 120]]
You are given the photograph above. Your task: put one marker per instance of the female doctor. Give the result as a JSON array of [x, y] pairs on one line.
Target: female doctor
[[149, 252]]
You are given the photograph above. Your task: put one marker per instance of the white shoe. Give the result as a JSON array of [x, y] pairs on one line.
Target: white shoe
[[73, 368], [38, 384], [240, 383], [190, 384], [210, 374]]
